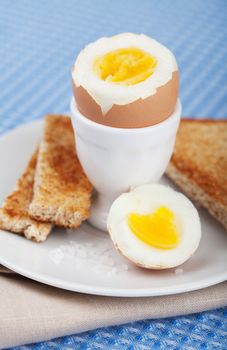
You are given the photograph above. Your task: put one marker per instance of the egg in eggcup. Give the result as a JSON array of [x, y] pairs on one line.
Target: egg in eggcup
[[126, 81], [125, 114]]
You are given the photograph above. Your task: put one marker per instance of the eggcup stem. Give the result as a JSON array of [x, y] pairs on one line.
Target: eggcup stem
[[117, 159]]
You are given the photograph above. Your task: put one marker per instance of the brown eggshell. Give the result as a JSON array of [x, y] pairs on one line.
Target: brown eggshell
[[138, 114]]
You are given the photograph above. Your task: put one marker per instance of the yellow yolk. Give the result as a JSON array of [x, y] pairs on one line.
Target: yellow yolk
[[127, 66], [157, 229]]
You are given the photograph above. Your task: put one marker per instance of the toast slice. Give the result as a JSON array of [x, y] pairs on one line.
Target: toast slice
[[14, 213], [62, 192], [199, 164]]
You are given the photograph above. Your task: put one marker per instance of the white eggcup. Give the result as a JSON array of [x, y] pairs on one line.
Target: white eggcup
[[117, 159]]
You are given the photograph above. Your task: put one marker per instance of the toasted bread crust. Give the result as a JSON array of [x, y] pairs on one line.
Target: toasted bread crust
[[199, 164], [62, 192], [14, 213]]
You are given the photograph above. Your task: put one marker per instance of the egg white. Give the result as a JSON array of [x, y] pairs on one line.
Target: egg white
[[145, 200], [106, 94]]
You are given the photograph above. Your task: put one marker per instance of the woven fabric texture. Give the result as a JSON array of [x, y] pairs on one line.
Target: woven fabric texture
[[39, 41]]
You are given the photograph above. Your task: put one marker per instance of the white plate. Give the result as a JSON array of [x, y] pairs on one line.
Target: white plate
[[84, 260]]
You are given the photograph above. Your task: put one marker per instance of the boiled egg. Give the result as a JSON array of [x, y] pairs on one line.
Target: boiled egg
[[154, 226], [126, 81]]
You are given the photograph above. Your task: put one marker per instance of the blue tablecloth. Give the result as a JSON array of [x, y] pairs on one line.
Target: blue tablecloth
[[39, 41]]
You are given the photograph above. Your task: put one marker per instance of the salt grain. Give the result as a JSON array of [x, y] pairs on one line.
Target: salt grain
[[178, 271], [99, 257], [56, 255]]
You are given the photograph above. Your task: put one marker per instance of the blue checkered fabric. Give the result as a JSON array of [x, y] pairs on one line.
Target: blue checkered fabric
[[201, 331], [39, 41]]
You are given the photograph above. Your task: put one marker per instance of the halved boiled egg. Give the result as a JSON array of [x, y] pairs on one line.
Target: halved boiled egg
[[126, 81], [154, 226]]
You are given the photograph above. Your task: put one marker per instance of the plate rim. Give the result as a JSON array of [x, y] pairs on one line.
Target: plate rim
[[120, 292]]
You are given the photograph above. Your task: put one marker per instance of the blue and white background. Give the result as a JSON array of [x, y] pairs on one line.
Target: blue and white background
[[39, 41]]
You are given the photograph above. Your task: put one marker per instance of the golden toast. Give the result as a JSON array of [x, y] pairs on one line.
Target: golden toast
[[14, 212], [62, 192], [199, 164]]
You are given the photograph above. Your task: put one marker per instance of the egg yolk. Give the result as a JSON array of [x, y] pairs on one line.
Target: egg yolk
[[127, 66], [157, 229]]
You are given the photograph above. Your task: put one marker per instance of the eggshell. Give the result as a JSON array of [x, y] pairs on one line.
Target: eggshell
[[138, 114]]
